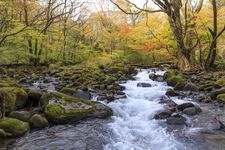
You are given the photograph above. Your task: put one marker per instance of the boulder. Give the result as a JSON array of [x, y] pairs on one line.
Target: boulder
[[190, 87], [142, 84], [39, 121], [217, 92], [156, 77], [13, 127], [176, 120], [183, 106], [21, 115], [215, 124], [171, 92], [60, 108], [174, 80], [15, 98], [179, 86], [219, 83], [164, 114], [221, 98], [191, 111]]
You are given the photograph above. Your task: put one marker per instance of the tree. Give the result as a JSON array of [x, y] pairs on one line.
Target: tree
[[178, 25], [215, 35]]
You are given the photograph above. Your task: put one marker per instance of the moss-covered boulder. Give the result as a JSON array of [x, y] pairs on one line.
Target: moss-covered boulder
[[13, 127], [219, 83], [61, 108], [15, 98], [169, 73], [21, 115], [8, 82], [38, 121], [175, 79], [221, 98]]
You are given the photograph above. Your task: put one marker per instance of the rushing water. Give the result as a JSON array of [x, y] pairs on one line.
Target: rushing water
[[132, 126]]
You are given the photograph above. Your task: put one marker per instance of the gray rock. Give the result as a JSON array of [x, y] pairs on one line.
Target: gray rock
[[183, 106], [171, 92], [163, 114], [144, 84], [191, 111], [190, 87], [176, 120]]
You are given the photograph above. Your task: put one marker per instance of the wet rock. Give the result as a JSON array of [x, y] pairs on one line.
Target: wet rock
[[191, 111], [102, 111], [156, 77], [190, 87], [39, 121], [183, 106], [215, 124], [171, 92], [176, 120], [23, 81], [141, 84], [164, 99], [217, 92], [21, 115], [204, 99], [163, 114], [13, 127]]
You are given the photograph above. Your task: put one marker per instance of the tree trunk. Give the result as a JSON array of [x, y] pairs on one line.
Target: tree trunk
[[2, 103], [183, 62]]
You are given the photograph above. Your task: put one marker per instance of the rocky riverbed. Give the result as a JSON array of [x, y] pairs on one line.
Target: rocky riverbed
[[155, 109]]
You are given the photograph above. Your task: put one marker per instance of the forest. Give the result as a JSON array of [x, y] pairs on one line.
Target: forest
[[112, 74]]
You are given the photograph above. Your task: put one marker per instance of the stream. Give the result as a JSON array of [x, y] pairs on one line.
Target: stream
[[132, 126]]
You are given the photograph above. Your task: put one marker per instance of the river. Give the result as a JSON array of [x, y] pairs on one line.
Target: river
[[132, 126]]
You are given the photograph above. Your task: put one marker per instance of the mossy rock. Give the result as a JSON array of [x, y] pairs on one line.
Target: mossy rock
[[8, 82], [14, 127], [39, 121], [21, 115], [60, 108], [175, 79], [68, 91], [15, 98], [116, 69], [169, 73], [221, 97], [219, 83]]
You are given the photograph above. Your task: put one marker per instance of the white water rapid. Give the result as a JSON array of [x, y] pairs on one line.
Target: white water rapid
[[133, 125]]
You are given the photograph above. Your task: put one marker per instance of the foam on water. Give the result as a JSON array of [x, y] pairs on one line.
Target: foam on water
[[133, 126]]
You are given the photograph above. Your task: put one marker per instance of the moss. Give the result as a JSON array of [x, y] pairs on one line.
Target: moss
[[61, 108], [57, 114], [14, 127], [219, 83], [39, 121], [221, 97], [2, 133], [169, 73], [68, 91], [14, 98], [175, 79], [116, 69], [8, 82]]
